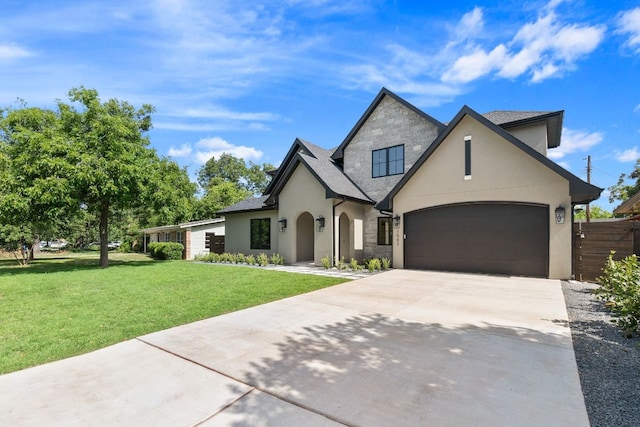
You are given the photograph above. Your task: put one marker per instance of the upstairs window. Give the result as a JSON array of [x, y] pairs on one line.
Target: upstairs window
[[467, 157], [387, 161]]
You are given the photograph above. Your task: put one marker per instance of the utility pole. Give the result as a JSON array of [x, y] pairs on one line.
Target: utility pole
[[588, 211]]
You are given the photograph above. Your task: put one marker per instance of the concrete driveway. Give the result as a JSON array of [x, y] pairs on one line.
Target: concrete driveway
[[399, 348]]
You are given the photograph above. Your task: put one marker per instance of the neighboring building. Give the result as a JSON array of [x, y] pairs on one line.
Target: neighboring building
[[192, 235], [477, 195]]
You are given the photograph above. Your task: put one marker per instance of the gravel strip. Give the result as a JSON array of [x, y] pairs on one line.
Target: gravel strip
[[608, 363]]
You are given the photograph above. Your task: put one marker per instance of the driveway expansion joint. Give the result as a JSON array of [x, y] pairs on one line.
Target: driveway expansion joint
[[252, 387]]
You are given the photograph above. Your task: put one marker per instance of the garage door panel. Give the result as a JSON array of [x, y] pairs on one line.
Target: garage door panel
[[497, 238]]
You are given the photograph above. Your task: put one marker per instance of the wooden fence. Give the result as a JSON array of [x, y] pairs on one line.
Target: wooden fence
[[214, 243], [594, 241]]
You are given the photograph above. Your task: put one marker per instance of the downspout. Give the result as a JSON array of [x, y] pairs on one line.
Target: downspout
[[333, 219]]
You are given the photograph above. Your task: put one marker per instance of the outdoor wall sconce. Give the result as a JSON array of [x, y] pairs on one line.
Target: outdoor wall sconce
[[283, 224], [396, 220], [560, 215], [320, 223]]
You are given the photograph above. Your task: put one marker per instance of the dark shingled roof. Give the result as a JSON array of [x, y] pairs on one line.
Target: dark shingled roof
[[511, 119], [501, 117], [332, 178], [318, 161], [246, 205]]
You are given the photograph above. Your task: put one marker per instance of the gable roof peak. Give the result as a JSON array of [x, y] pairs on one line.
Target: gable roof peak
[[338, 154]]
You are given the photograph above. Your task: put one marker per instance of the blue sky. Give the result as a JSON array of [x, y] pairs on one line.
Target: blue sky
[[248, 77]]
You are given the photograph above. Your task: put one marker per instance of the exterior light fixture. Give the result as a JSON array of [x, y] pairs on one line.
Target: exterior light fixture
[[283, 224], [396, 220], [560, 215], [320, 223]]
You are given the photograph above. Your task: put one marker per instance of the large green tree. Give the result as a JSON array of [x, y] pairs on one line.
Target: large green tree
[[35, 185], [170, 196], [112, 161]]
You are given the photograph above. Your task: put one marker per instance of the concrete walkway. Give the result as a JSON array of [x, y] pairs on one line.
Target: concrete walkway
[[397, 348]]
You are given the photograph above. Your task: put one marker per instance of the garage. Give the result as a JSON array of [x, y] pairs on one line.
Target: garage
[[496, 238]]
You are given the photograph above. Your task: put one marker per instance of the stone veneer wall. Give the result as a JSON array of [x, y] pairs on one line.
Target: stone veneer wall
[[390, 124]]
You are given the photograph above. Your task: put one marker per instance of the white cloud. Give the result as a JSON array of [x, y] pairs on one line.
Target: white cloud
[[214, 119], [475, 65], [630, 155], [12, 51], [544, 48], [220, 113], [637, 109], [575, 141], [629, 24], [216, 146], [183, 151]]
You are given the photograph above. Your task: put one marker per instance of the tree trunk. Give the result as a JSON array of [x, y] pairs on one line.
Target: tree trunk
[[104, 235]]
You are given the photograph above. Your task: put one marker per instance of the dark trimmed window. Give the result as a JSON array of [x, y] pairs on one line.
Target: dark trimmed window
[[385, 230], [467, 156], [387, 161], [261, 233]]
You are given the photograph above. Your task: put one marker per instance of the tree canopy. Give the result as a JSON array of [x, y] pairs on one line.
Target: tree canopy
[[87, 162], [624, 189], [228, 168], [227, 180], [35, 175], [87, 159]]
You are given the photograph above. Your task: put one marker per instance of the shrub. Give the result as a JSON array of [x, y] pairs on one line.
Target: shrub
[[354, 265], [386, 263], [210, 257], [620, 288], [374, 265], [166, 250], [262, 259], [240, 258], [326, 262], [251, 260], [277, 259], [340, 264]]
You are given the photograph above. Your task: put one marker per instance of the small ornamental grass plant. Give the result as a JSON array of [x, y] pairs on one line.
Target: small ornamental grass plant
[[261, 259], [620, 289]]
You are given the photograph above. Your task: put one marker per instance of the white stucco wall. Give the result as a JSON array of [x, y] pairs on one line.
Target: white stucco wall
[[197, 240], [534, 135], [303, 193], [238, 232], [499, 172]]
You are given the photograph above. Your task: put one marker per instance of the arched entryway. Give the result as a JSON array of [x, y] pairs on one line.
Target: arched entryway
[[344, 233], [304, 238]]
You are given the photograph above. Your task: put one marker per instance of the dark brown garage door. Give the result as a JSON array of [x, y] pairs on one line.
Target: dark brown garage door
[[500, 238]]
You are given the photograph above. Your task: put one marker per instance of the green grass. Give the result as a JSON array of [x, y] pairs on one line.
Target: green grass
[[60, 307]]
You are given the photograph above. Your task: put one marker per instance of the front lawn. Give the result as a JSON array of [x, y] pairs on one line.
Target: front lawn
[[61, 307]]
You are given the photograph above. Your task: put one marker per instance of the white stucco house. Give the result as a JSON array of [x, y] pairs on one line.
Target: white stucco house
[[477, 194]]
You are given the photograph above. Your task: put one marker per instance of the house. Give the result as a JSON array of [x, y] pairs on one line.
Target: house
[[198, 237], [477, 194]]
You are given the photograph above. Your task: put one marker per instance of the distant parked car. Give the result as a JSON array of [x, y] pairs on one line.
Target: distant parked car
[[58, 244], [115, 244]]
